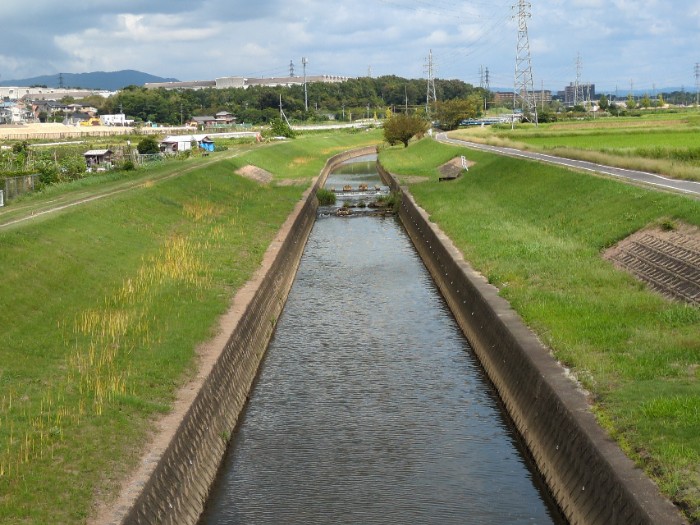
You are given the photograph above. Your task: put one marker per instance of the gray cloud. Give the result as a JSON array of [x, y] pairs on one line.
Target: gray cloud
[[620, 41]]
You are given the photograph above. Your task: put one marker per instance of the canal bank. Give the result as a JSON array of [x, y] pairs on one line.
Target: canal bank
[[589, 476], [176, 472]]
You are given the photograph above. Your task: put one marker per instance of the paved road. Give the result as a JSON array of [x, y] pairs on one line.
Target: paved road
[[643, 177]]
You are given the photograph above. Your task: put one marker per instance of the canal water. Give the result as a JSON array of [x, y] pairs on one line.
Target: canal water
[[370, 407]]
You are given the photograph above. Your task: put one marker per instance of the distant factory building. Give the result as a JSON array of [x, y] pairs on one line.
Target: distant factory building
[[242, 82]]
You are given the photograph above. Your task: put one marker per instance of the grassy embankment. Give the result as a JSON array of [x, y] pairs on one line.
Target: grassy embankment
[[664, 144], [537, 233], [104, 304]]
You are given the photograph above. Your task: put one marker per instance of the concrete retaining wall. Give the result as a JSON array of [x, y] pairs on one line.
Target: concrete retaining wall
[[591, 479], [175, 477]]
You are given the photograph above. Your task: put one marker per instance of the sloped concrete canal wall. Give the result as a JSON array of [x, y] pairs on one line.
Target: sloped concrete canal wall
[[591, 479]]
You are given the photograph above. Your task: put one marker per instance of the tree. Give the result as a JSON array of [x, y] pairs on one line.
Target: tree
[[148, 145], [402, 128], [451, 112], [631, 102], [646, 101], [603, 103]]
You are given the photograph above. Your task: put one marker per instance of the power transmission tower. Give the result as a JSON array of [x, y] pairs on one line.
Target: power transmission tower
[[578, 88], [431, 96], [291, 68], [523, 97], [697, 83], [487, 87], [481, 76], [304, 62], [60, 80]]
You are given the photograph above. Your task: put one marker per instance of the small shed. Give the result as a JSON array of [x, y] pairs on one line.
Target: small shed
[[98, 158], [177, 143]]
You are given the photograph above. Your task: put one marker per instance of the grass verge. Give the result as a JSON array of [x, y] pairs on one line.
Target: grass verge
[[103, 306], [537, 233]]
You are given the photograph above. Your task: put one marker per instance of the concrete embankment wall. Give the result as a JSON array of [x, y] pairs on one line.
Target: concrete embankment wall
[[175, 477], [591, 479]]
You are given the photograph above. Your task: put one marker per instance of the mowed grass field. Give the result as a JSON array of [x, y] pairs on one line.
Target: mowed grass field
[[537, 232], [105, 303], [668, 144]]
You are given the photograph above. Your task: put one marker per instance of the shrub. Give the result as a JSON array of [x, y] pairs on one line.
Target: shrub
[[325, 197], [148, 145]]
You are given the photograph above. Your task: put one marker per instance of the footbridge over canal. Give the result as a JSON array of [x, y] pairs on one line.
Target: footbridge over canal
[[587, 475]]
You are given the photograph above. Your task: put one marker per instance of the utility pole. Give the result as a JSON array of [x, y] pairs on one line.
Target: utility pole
[[282, 113], [542, 94], [304, 61], [431, 96], [524, 90], [697, 83]]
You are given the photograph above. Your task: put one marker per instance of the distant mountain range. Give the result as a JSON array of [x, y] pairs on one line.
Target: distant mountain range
[[111, 81]]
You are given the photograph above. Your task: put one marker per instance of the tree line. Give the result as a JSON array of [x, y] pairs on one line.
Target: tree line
[[351, 100]]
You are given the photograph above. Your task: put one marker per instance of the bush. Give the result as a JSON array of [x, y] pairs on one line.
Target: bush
[[325, 197], [148, 146], [279, 128]]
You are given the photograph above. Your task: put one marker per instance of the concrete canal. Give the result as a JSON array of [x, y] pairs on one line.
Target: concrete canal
[[370, 406]]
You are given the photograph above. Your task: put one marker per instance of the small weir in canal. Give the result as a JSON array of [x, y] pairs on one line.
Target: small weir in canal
[[370, 406]]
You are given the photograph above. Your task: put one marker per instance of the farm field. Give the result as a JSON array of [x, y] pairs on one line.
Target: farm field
[[665, 144]]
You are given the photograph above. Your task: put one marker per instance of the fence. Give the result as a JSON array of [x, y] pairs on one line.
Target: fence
[[15, 186]]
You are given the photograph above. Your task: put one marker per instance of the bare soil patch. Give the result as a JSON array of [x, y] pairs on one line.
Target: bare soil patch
[[453, 168], [255, 173], [668, 260]]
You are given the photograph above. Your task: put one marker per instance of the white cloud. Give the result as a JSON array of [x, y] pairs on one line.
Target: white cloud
[[210, 38]]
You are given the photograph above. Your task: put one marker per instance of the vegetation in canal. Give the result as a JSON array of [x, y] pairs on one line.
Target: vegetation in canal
[[104, 304], [325, 197], [537, 233]]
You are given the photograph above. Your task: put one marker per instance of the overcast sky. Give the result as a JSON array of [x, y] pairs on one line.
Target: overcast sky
[[644, 44]]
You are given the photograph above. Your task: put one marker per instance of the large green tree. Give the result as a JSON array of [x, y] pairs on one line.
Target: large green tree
[[402, 128], [450, 113]]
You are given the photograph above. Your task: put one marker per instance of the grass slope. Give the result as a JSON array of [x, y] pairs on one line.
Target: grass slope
[[104, 304], [537, 233]]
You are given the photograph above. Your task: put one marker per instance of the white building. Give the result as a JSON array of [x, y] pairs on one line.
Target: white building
[[115, 120], [178, 143], [47, 93]]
